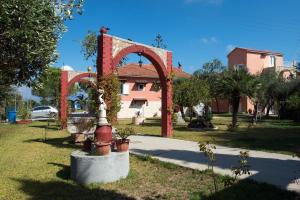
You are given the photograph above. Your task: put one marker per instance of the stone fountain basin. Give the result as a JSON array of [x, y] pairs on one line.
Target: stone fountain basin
[[87, 169]]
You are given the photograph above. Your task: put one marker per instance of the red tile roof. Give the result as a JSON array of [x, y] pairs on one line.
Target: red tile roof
[[268, 52], [146, 71]]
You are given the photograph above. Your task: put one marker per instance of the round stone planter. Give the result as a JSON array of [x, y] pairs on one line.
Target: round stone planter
[[86, 169]]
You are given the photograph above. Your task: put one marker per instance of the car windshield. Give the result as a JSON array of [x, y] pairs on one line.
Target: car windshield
[[41, 108]]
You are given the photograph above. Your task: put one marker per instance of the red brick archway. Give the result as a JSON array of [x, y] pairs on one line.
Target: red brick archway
[[112, 49], [67, 79]]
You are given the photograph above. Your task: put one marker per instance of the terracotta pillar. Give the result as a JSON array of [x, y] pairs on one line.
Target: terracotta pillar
[[104, 56], [63, 111], [167, 102]]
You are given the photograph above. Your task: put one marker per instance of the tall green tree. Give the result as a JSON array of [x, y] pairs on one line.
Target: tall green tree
[[288, 94], [293, 103], [89, 46], [270, 82], [256, 94], [47, 86], [234, 84], [29, 32], [111, 85], [7, 93], [210, 68], [211, 72], [191, 92]]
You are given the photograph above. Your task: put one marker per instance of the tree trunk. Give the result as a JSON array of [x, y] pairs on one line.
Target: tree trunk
[[182, 112], [268, 108], [235, 109], [263, 108], [254, 117], [191, 113]]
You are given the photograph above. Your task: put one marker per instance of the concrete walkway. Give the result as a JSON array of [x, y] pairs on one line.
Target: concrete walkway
[[278, 169]]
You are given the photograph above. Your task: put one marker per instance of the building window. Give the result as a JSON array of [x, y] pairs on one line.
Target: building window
[[124, 89], [272, 61], [140, 86], [240, 66]]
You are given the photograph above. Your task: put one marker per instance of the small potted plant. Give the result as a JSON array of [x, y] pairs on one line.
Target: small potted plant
[[122, 142]]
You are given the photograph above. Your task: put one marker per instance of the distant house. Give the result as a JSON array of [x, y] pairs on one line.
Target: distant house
[[255, 61], [140, 90]]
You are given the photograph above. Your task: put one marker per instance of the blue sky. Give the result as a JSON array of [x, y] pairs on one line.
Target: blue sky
[[195, 30]]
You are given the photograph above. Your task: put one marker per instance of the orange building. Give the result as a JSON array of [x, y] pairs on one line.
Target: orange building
[[140, 90], [255, 61]]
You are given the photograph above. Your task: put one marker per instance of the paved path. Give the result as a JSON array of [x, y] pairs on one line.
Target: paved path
[[278, 169]]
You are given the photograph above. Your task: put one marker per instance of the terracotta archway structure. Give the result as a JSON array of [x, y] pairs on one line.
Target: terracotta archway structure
[[112, 49], [67, 79]]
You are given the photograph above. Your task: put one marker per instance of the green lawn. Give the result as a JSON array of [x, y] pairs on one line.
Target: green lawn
[[31, 168], [273, 135]]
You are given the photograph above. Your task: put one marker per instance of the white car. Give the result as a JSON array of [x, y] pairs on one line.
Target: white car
[[44, 112]]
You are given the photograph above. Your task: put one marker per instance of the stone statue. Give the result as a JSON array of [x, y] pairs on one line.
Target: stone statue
[[102, 109]]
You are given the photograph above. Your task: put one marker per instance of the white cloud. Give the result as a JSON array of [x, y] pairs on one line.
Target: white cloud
[[209, 40], [230, 47], [212, 2]]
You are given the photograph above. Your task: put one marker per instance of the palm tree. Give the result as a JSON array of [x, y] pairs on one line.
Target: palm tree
[[234, 84]]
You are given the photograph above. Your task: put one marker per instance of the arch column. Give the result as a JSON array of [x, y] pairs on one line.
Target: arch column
[[104, 56], [167, 103]]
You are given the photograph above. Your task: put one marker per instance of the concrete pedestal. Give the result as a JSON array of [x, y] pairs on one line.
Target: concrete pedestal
[[86, 169]]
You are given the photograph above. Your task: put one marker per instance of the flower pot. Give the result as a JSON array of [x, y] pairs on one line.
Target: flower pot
[[103, 133], [103, 148], [122, 145]]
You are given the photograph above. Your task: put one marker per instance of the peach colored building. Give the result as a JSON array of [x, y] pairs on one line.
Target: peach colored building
[[255, 61], [140, 90]]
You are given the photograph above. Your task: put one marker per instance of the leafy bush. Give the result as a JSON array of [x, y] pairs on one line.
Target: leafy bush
[[23, 111], [124, 133], [111, 86]]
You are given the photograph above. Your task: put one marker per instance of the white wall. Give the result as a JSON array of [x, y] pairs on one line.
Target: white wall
[[128, 109]]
